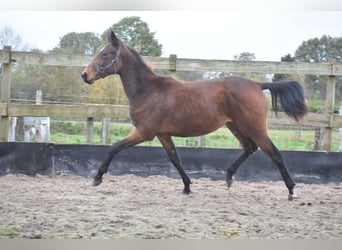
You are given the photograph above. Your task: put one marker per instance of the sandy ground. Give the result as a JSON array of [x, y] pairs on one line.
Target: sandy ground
[[128, 207]]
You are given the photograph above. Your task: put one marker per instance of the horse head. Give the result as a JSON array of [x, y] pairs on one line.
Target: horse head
[[106, 62]]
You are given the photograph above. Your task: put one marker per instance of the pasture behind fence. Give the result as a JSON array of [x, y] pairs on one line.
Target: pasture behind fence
[[327, 121]]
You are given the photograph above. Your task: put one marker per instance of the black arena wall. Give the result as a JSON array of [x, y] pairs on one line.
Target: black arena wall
[[83, 160]]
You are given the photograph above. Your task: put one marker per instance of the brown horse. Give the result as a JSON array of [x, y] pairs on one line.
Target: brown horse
[[164, 107]]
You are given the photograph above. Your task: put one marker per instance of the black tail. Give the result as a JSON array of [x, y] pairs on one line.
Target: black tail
[[291, 97]]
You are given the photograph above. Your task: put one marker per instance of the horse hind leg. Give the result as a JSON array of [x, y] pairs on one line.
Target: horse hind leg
[[274, 154], [249, 147]]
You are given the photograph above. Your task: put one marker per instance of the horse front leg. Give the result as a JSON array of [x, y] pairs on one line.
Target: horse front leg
[[133, 139], [170, 149]]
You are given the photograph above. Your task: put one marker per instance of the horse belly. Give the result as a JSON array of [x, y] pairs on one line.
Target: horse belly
[[192, 124]]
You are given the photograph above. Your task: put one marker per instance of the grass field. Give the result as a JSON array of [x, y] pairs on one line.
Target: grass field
[[285, 139]]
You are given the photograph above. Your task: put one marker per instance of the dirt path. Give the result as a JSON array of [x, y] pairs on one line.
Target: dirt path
[[135, 207]]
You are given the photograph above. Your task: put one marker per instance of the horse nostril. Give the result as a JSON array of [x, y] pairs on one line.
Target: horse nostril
[[84, 76]]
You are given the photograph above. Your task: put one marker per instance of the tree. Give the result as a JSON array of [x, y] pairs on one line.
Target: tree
[[8, 37], [320, 50], [79, 43], [281, 77], [245, 56], [248, 56], [136, 34]]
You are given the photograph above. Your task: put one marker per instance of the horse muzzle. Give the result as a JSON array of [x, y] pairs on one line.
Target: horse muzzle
[[85, 78]]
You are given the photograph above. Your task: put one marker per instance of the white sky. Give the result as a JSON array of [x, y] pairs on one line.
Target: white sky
[[214, 34]]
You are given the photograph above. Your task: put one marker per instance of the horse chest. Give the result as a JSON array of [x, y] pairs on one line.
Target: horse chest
[[147, 112]]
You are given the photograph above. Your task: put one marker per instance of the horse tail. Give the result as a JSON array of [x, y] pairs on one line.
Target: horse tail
[[290, 94]]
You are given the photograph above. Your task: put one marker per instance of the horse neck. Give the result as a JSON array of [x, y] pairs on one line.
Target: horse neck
[[135, 76]]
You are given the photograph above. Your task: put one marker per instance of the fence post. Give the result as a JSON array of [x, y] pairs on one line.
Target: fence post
[[201, 141], [37, 121], [319, 132], [340, 131], [173, 65], [329, 111], [6, 93], [12, 128], [90, 127], [105, 130], [172, 62]]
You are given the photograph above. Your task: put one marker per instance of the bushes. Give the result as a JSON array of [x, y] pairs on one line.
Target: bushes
[[67, 131], [68, 127], [318, 106]]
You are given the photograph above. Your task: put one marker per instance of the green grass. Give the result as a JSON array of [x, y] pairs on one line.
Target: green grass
[[8, 233], [285, 139]]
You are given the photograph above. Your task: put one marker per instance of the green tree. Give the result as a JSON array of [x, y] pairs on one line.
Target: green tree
[[79, 43], [136, 34], [281, 77], [245, 56], [320, 50]]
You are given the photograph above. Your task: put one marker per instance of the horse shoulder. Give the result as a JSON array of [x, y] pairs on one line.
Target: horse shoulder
[[155, 102]]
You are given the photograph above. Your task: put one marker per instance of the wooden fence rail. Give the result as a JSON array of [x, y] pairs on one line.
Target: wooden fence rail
[[328, 120]]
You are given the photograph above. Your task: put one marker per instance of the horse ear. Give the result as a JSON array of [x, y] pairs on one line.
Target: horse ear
[[112, 39]]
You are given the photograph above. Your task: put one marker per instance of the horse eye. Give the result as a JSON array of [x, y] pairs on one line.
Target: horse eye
[[104, 54]]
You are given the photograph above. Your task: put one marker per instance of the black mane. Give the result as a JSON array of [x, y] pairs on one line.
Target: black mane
[[138, 57]]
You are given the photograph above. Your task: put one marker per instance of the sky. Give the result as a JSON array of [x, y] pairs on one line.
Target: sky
[[269, 33]]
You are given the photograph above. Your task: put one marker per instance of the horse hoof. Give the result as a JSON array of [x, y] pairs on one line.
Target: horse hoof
[[186, 191], [230, 182], [293, 196], [97, 181]]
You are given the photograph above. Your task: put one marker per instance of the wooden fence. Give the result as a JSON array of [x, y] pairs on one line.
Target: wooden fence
[[328, 120]]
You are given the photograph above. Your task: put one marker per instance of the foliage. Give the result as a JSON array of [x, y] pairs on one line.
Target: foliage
[[8, 233], [79, 43], [245, 56], [58, 84], [136, 34], [108, 91], [320, 50], [25, 81], [288, 138], [68, 127], [282, 77], [316, 105], [8, 37]]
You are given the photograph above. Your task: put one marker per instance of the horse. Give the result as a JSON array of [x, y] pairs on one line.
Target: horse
[[162, 107]]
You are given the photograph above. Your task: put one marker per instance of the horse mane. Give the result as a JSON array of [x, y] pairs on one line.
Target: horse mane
[[138, 57]]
